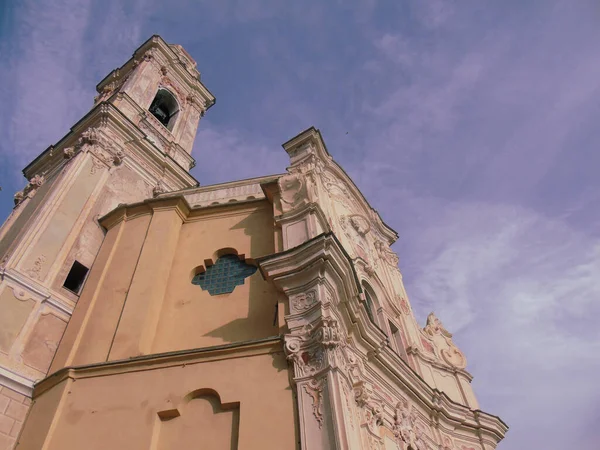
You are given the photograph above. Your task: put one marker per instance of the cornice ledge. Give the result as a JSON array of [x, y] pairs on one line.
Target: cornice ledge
[[45, 295], [298, 213], [445, 408], [323, 252], [262, 346], [129, 211], [16, 382], [105, 114], [491, 424], [158, 43], [442, 407], [413, 350]]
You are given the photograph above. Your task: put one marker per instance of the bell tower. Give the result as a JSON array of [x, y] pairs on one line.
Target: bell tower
[[160, 91], [134, 144]]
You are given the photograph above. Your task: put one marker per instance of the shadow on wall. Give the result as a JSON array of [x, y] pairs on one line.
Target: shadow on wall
[[260, 321]]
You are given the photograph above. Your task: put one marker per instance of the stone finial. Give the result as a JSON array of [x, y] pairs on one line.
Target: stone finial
[[434, 326], [160, 188]]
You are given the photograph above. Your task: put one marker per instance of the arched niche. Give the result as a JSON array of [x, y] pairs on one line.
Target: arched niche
[[200, 421]]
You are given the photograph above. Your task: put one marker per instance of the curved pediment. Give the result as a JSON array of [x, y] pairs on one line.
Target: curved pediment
[[314, 177], [309, 155]]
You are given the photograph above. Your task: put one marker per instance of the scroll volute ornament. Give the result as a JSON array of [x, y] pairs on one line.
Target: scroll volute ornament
[[365, 398], [304, 301], [355, 228], [30, 189], [406, 428], [386, 254], [307, 347], [442, 339]]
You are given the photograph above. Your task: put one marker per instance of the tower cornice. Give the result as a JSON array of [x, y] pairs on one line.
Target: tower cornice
[[167, 56], [126, 137]]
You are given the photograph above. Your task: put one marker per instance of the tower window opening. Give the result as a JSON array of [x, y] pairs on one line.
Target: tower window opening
[[165, 108], [76, 277], [397, 341]]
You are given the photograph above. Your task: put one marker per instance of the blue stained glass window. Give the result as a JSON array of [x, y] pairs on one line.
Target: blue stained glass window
[[222, 277]]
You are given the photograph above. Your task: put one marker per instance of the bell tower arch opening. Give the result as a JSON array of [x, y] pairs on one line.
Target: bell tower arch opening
[[165, 108]]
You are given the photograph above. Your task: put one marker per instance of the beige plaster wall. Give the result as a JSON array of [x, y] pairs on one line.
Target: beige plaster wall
[[30, 330], [120, 410], [43, 341], [92, 327], [122, 186], [15, 312], [139, 298], [191, 317], [56, 232], [18, 226]]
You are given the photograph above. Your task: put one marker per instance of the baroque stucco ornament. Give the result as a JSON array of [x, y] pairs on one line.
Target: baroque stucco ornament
[[104, 151], [293, 192], [370, 404], [360, 224], [30, 189], [34, 271], [304, 301], [322, 201], [442, 339], [308, 348], [314, 388], [406, 428], [387, 254]]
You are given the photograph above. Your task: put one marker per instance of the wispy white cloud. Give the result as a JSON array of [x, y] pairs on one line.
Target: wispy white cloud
[[220, 152], [54, 67], [520, 292], [468, 135], [45, 65]]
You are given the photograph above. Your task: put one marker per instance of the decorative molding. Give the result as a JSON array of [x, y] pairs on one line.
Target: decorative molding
[[371, 404], [34, 271], [319, 343], [97, 164], [308, 348], [30, 190], [404, 306], [159, 189], [434, 326], [360, 224], [69, 152], [16, 382], [314, 388], [304, 301], [386, 254], [442, 340], [293, 192]]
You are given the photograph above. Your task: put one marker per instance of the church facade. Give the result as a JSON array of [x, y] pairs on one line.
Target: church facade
[[140, 310]]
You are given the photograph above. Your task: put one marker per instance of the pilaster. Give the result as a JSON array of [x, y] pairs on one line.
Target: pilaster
[[137, 326]]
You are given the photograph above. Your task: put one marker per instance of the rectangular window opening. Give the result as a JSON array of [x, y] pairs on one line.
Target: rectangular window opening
[[397, 341], [76, 277]]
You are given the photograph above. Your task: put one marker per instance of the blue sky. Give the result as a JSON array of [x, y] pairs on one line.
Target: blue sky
[[471, 126]]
